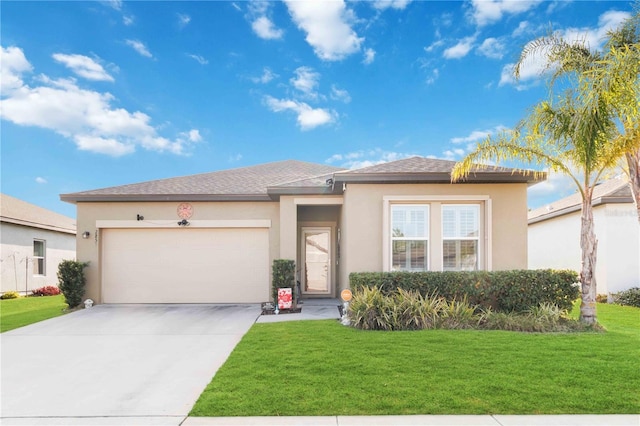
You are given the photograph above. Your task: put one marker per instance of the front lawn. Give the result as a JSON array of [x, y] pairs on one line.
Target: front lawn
[[23, 311], [312, 368]]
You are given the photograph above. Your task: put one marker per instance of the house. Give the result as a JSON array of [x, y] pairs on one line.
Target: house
[[212, 237], [33, 241], [554, 236]]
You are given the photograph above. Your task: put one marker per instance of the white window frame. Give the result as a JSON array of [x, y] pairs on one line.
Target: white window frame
[[476, 238], [426, 238], [38, 258], [485, 214]]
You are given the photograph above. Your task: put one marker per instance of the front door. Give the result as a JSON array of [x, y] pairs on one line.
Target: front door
[[316, 260]]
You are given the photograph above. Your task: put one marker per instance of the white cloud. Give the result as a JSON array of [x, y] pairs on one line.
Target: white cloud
[[261, 23], [453, 154], [200, 59], [308, 117], [128, 20], [328, 29], [485, 12], [139, 47], [115, 4], [366, 158], [393, 4], [183, 20], [84, 116], [340, 95], [14, 64], [306, 81], [266, 77], [264, 28], [83, 66], [235, 158], [460, 50], [478, 135], [534, 68], [556, 187], [434, 45], [41, 180], [192, 135], [595, 37], [369, 56], [492, 48], [523, 27], [433, 77]]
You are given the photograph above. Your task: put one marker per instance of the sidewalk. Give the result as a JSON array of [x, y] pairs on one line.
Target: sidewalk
[[494, 420]]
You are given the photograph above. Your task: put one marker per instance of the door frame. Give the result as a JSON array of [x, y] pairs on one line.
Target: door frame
[[330, 270]]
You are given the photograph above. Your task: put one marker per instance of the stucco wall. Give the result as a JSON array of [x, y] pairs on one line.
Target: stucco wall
[[163, 214], [17, 252], [555, 243], [363, 225]]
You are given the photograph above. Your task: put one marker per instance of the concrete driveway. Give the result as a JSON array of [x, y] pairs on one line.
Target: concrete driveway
[[135, 361]]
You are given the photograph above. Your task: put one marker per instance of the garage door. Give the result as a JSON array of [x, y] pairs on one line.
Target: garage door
[[185, 265]]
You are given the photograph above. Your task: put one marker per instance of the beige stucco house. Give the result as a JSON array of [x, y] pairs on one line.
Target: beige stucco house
[[554, 236], [33, 241], [211, 238]]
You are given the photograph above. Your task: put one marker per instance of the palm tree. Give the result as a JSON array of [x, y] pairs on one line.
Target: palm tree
[[567, 137], [612, 76]]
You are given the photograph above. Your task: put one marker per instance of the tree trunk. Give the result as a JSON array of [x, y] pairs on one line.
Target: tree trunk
[[589, 246], [633, 161]]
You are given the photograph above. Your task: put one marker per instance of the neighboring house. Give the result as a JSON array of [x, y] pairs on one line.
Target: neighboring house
[[33, 242], [554, 236], [212, 237]]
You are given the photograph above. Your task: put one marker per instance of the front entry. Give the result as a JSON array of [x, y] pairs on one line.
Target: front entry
[[316, 261]]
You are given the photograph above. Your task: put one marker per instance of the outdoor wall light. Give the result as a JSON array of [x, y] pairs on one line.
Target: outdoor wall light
[[86, 235], [183, 222]]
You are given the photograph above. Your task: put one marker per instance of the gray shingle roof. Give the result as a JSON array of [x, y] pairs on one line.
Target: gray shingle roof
[[421, 169], [246, 183], [612, 191], [13, 210], [264, 182]]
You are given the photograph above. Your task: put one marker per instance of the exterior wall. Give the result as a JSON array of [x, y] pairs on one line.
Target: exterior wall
[[555, 243], [363, 224], [162, 214], [17, 252]]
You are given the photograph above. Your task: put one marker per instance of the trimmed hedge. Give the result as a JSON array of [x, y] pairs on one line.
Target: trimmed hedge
[[502, 291]]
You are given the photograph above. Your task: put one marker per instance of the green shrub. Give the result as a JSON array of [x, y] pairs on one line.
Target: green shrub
[[71, 281], [629, 297], [10, 295], [373, 309], [502, 291], [284, 275], [602, 298]]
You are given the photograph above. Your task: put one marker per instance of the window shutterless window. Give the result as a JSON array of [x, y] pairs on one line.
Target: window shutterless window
[[39, 263], [460, 237], [409, 237]]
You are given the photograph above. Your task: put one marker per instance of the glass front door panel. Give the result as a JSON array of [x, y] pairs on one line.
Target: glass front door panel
[[317, 261]]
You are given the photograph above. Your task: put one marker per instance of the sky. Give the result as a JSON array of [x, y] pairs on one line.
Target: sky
[[105, 93]]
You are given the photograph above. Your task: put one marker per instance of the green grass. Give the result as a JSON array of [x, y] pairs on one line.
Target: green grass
[[16, 313], [323, 368]]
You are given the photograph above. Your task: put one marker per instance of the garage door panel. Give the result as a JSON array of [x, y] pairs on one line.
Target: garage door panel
[[185, 265]]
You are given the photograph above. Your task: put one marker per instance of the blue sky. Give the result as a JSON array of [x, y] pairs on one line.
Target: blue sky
[[98, 94]]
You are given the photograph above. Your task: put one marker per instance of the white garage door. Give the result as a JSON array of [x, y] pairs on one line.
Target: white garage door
[[186, 265]]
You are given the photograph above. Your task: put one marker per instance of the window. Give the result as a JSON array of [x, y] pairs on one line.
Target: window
[[409, 237], [38, 257], [460, 237]]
